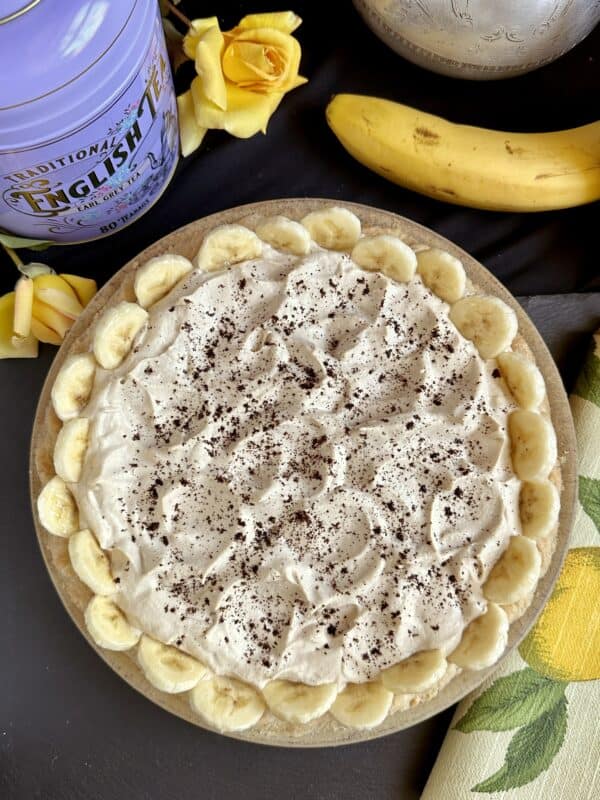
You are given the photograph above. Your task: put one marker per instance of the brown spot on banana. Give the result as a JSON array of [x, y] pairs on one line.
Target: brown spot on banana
[[426, 136], [513, 151]]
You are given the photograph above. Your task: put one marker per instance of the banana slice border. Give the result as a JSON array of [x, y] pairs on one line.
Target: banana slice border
[[356, 237]]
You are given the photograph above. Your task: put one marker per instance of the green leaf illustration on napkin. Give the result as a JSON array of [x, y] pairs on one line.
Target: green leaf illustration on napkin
[[534, 704], [588, 382], [512, 701], [589, 497], [531, 750]]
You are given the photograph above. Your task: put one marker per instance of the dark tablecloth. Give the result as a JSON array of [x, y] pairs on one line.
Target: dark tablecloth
[[69, 728]]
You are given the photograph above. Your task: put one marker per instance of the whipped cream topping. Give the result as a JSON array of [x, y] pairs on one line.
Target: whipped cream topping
[[301, 471]]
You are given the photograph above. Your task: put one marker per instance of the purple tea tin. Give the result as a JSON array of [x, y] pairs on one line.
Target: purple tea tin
[[88, 117]]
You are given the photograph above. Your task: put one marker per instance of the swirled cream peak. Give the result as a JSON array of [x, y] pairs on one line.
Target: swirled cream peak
[[301, 471]]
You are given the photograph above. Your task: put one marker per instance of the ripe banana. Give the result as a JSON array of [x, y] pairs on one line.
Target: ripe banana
[[227, 244], [488, 322], [523, 379], [516, 572], [73, 384], [362, 705], [442, 273], [465, 165], [539, 507], [333, 228], [91, 563], [483, 640], [533, 445], [70, 447], [418, 673], [57, 509], [387, 254], [167, 668], [156, 278], [298, 702], [284, 234], [108, 626], [227, 704], [115, 333]]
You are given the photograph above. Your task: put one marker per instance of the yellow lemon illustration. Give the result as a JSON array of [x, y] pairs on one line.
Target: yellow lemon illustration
[[564, 644]]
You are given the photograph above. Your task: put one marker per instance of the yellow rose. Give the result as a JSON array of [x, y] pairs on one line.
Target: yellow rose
[[242, 75]]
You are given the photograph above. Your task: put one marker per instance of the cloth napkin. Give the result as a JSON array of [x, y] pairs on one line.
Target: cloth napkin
[[532, 730]]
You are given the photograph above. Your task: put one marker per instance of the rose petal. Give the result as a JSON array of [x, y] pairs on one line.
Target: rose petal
[[25, 348], [252, 61], [247, 112], [281, 46], [208, 66], [190, 133], [285, 21], [198, 28]]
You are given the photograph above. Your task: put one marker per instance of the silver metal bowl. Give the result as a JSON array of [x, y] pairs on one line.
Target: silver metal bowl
[[480, 39]]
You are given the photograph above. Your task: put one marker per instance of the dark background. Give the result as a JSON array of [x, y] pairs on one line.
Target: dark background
[[69, 727]]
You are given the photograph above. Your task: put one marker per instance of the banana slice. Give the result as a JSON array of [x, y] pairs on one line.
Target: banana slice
[[91, 563], [523, 379], [228, 244], [483, 640], [516, 572], [442, 273], [73, 385], [533, 444], [70, 447], [418, 673], [297, 702], [157, 277], [57, 508], [167, 668], [227, 704], [107, 625], [362, 705], [488, 322], [116, 331], [333, 228], [539, 507], [388, 254], [284, 234]]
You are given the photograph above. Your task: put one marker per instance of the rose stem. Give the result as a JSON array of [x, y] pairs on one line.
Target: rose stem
[[177, 13]]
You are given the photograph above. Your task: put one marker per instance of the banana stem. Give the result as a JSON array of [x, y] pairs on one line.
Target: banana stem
[[15, 258], [177, 13]]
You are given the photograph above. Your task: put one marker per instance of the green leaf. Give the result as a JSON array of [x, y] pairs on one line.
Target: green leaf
[[512, 701], [530, 752], [588, 381], [589, 497], [18, 241]]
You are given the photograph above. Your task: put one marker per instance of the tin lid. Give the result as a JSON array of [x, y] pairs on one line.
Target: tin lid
[[62, 63]]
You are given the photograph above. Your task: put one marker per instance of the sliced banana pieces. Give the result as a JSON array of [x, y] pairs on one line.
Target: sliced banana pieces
[[91, 563], [333, 228], [488, 322], [108, 626], [533, 445], [73, 385], [443, 273], [115, 332], [228, 244], [285, 234], [227, 704], [298, 702], [362, 705], [415, 674], [388, 254], [483, 640], [516, 572], [167, 668], [539, 507], [70, 447], [57, 508], [156, 278], [523, 379]]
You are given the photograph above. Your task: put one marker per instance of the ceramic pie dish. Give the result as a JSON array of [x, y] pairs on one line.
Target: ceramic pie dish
[[270, 667]]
